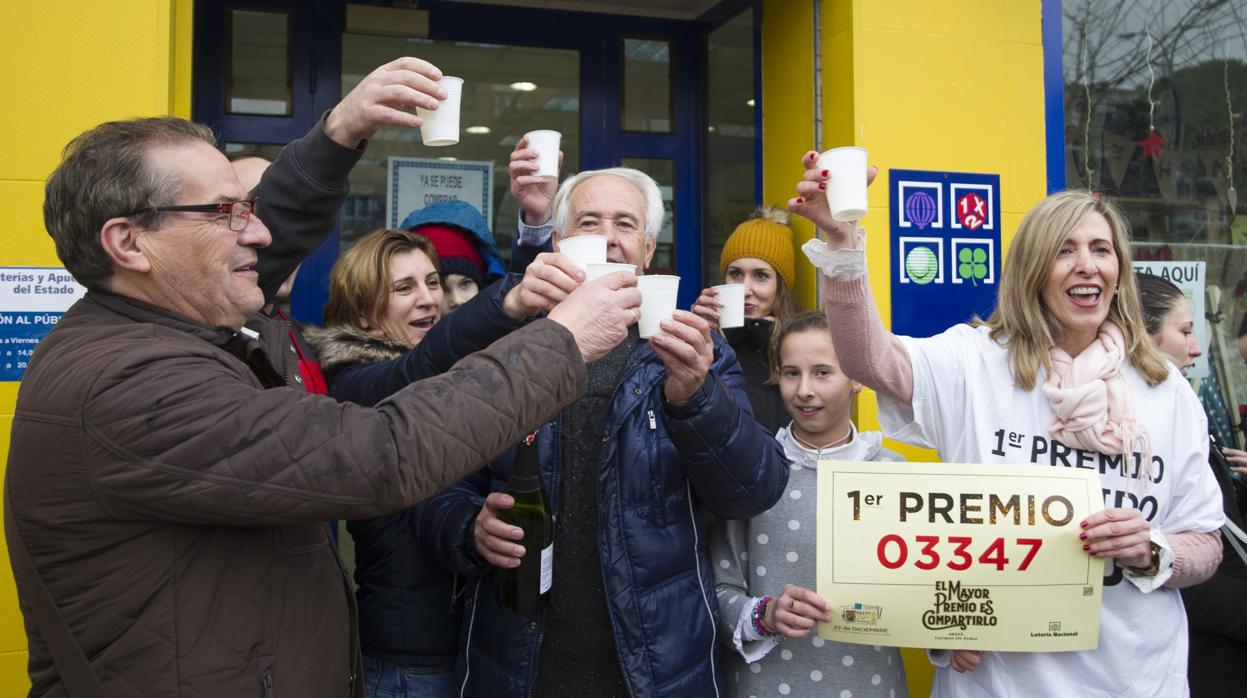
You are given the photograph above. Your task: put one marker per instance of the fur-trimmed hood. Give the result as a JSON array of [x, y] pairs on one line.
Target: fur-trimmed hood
[[342, 345]]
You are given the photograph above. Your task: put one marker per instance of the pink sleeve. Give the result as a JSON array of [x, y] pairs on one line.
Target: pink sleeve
[[1195, 557], [868, 353]]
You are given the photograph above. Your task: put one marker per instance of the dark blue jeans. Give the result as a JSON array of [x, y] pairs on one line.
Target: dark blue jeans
[[389, 680]]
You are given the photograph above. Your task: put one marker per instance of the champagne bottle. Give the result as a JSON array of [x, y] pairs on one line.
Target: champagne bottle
[[524, 589]]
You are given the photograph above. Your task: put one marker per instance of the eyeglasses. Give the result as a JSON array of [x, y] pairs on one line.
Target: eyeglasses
[[238, 211]]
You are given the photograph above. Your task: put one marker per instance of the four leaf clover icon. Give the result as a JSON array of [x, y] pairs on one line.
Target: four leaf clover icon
[[972, 264]]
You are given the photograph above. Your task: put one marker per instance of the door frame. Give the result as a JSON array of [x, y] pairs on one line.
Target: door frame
[[316, 45]]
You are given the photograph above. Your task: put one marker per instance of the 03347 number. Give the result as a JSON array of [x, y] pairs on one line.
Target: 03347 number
[[894, 552]]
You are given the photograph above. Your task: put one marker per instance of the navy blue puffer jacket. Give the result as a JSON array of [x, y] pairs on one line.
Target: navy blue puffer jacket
[[408, 613], [662, 469]]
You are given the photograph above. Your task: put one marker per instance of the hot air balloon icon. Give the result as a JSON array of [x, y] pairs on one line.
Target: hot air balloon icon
[[920, 209]]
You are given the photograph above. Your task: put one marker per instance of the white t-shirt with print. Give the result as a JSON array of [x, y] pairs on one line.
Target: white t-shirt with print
[[966, 406]]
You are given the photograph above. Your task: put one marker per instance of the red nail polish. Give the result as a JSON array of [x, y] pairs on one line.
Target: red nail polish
[[1083, 536], [1083, 524], [1086, 547], [822, 185], [800, 200]]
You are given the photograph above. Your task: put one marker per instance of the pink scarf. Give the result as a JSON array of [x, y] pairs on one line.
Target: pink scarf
[[1091, 399]]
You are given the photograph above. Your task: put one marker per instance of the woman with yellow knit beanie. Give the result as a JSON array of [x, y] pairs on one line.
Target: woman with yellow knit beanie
[[759, 254]]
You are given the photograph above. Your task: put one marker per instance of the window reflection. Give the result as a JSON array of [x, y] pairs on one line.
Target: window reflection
[[646, 103], [1154, 96], [496, 111], [258, 75], [730, 163], [663, 172]]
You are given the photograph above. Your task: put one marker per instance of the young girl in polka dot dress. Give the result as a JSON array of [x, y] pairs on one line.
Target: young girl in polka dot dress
[[764, 567]]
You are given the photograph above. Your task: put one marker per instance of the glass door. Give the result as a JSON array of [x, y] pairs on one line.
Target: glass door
[[508, 90], [621, 89]]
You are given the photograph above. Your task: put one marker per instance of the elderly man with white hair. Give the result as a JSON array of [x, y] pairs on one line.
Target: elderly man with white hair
[[662, 437]]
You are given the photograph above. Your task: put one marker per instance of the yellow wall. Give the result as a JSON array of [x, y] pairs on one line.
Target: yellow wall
[[69, 65], [953, 86]]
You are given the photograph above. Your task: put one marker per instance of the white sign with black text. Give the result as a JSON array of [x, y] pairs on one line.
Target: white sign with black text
[[413, 183], [32, 301]]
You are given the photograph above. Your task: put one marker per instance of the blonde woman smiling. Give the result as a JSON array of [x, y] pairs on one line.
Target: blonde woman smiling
[[1065, 361]]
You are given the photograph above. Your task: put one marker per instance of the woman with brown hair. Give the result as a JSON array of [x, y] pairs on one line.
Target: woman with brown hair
[[1064, 358], [758, 254], [398, 307], [384, 329]]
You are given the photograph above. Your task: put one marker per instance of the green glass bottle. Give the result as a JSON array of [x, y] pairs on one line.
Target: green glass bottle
[[524, 589]]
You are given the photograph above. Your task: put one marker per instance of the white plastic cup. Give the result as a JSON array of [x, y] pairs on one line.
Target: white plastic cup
[[658, 297], [441, 127], [597, 270], [584, 249], [546, 143], [732, 296], [846, 185]]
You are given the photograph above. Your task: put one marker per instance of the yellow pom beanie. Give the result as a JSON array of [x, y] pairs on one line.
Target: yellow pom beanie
[[765, 236]]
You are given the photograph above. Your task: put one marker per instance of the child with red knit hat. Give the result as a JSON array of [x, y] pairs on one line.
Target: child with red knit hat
[[467, 255]]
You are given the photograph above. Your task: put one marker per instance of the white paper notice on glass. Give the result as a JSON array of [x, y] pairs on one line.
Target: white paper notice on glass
[[413, 183]]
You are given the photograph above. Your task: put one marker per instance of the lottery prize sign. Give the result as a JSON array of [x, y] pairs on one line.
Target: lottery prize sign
[[956, 556]]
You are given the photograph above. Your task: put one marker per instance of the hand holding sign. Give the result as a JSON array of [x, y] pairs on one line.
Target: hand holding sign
[[965, 660], [1118, 533], [795, 612]]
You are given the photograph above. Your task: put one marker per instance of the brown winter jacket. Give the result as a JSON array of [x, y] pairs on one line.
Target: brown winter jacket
[[172, 493]]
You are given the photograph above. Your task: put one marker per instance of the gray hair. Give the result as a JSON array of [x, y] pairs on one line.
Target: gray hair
[[104, 173], [654, 211]]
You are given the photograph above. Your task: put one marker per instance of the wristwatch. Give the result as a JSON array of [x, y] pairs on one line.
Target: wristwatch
[[1152, 569]]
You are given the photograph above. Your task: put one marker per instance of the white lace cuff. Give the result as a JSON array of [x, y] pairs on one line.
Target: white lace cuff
[[748, 643], [843, 264]]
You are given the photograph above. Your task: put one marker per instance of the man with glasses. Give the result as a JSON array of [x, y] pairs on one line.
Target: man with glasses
[[663, 435], [166, 493]]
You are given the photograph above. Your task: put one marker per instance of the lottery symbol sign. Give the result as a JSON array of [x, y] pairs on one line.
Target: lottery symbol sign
[[972, 264], [946, 248], [920, 209], [972, 211]]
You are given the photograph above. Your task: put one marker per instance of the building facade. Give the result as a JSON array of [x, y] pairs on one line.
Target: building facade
[[716, 100]]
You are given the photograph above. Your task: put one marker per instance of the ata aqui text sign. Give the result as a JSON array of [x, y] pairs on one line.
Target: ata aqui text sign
[[945, 249], [414, 183], [32, 301], [956, 556]]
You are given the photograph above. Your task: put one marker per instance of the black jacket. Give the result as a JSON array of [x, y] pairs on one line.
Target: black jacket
[[752, 344], [408, 613], [1217, 609]]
